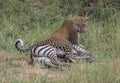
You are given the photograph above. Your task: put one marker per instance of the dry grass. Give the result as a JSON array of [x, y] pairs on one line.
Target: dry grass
[[15, 69]]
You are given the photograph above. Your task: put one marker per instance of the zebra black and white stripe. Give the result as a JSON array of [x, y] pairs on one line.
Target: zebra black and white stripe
[[79, 48]]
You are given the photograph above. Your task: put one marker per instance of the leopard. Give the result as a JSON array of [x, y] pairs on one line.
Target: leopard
[[70, 31]]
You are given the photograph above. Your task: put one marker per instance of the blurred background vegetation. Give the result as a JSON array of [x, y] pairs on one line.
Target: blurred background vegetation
[[21, 16], [31, 20]]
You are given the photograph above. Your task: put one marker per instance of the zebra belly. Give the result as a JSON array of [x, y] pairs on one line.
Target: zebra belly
[[42, 59]]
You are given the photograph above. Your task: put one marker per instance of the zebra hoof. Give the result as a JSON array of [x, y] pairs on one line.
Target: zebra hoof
[[92, 55], [90, 59], [30, 62]]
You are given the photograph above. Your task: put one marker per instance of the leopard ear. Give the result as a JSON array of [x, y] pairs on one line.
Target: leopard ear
[[67, 22], [74, 20]]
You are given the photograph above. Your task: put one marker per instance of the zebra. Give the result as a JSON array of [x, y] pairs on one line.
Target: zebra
[[41, 53], [48, 54]]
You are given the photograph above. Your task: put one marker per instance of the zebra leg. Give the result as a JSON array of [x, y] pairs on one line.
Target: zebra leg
[[90, 56], [70, 55], [79, 49], [73, 58], [80, 45], [30, 59], [44, 60], [59, 64]]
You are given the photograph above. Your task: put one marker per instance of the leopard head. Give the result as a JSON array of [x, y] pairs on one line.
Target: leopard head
[[79, 23]]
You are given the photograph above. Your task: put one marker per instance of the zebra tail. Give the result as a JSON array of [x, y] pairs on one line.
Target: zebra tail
[[20, 49]]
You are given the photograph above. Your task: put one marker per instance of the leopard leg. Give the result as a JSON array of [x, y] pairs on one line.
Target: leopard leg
[[70, 57]]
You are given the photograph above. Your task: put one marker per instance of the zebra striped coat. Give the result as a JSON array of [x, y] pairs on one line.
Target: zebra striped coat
[[48, 54]]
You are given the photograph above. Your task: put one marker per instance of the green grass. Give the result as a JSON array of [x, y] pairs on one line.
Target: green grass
[[20, 19]]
